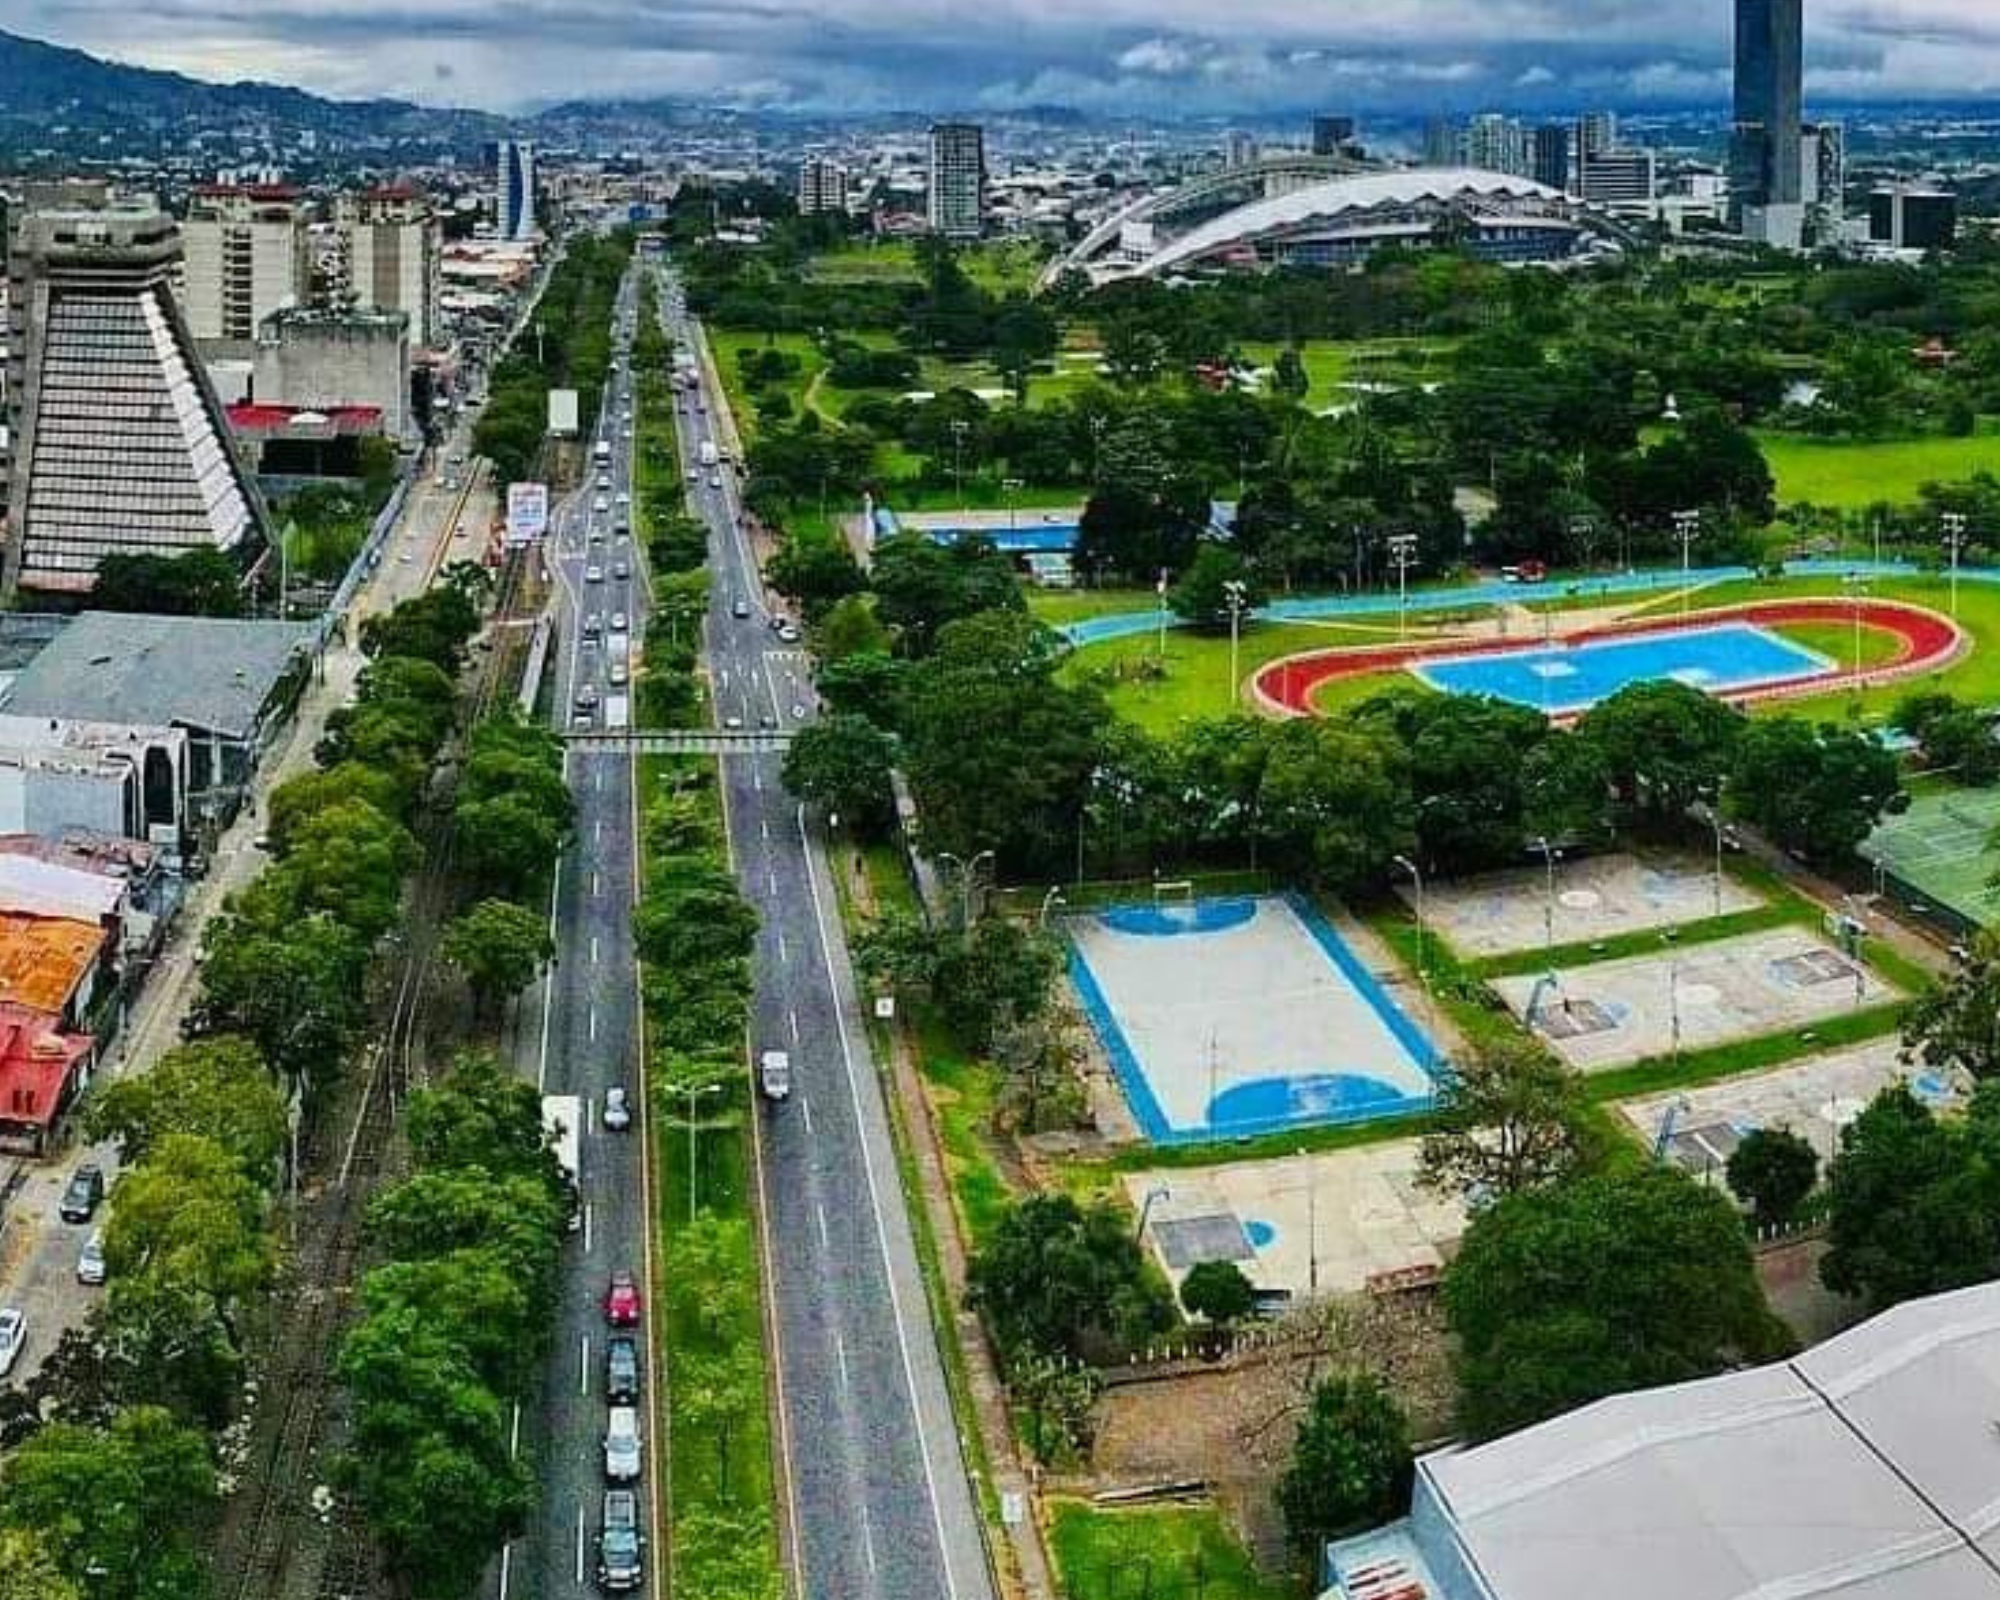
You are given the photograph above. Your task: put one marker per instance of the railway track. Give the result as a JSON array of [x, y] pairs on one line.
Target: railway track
[[304, 1542]]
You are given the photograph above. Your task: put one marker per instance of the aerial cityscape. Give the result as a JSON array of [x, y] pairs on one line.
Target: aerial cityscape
[[845, 803]]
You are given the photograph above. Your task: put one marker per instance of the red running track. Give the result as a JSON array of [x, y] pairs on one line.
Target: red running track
[[1925, 642]]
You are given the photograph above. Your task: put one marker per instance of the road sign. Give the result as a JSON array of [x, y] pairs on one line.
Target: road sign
[[562, 413], [527, 512]]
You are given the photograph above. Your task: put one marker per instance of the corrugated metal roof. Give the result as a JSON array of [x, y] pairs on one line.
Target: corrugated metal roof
[[44, 959]]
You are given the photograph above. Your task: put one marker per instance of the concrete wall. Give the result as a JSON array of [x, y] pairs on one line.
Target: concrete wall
[[326, 361]]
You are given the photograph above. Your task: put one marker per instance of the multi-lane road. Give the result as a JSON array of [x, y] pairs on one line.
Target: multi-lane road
[[879, 1506]]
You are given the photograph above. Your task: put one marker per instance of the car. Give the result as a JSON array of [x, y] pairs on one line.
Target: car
[[621, 1301], [774, 1075], [740, 609], [83, 1194], [604, 480], [621, 1562], [617, 1110], [593, 574], [715, 480], [13, 1337], [621, 501], [789, 632], [587, 697], [90, 1259], [621, 1444], [733, 723], [593, 626], [621, 569], [601, 505], [620, 676], [694, 475], [619, 622]]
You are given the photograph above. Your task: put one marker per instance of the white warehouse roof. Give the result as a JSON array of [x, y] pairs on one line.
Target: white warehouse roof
[[1867, 1468]]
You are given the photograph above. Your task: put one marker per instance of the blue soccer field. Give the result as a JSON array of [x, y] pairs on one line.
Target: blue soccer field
[[1563, 679]]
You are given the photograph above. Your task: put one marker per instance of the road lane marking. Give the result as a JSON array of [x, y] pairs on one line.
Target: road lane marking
[[944, 1548], [793, 1018], [757, 778], [868, 1539], [593, 1024], [806, 1106], [596, 885], [514, 1432], [764, 828], [773, 876], [593, 949], [782, 957], [579, 1544], [840, 1354], [583, 1368], [587, 1209], [597, 831], [506, 1567], [820, 1212]]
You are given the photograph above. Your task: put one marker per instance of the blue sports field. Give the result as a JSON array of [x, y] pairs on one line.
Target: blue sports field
[[1566, 678]]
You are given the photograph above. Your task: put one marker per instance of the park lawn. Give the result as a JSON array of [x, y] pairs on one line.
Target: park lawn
[[1000, 268], [1847, 474], [1836, 643], [989, 494], [1331, 362], [1156, 1553], [1057, 607]]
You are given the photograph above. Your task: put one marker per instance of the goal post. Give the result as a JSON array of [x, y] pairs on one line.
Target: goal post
[[1174, 892]]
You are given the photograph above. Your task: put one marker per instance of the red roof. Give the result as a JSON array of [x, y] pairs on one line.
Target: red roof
[[36, 1063], [322, 421]]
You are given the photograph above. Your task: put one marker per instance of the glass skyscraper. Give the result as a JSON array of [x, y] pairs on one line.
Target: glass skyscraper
[[1770, 71]]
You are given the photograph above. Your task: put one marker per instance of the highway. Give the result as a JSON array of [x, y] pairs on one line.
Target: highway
[[879, 1505], [578, 1034]]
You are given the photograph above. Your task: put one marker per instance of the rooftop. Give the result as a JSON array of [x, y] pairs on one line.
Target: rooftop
[[35, 1063], [44, 959], [205, 673]]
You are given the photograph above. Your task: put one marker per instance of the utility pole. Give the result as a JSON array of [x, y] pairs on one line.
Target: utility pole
[[1403, 553], [1953, 523], [958, 429], [1687, 529], [1236, 592]]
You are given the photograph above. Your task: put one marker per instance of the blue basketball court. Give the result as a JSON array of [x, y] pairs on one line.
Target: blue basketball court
[[1562, 679], [1230, 1018]]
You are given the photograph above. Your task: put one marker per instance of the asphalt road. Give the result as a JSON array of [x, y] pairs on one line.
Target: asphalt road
[[880, 1504], [578, 1035]]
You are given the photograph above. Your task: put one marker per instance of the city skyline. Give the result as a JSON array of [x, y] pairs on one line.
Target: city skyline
[[1407, 55]]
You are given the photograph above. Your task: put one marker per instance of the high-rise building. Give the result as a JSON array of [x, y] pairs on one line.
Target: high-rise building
[[1913, 216], [1239, 149], [822, 186], [1332, 135], [1494, 143], [1616, 177], [1823, 164], [1596, 131], [245, 255], [1441, 143], [1764, 176], [390, 257], [956, 206], [1551, 161], [513, 164], [118, 443]]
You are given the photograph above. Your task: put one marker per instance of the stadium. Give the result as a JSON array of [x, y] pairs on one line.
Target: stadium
[[1340, 220]]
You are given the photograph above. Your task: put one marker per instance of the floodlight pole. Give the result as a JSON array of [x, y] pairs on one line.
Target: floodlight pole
[[1312, 1226], [1403, 552], [1235, 591], [1549, 854], [1417, 877], [1856, 585], [1687, 529], [1953, 523]]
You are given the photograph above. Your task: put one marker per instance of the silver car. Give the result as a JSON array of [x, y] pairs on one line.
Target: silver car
[[621, 1444], [13, 1337], [90, 1260]]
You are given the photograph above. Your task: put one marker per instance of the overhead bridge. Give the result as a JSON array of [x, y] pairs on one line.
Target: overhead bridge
[[685, 741]]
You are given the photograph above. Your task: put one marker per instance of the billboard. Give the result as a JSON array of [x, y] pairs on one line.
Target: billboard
[[562, 412], [527, 512]]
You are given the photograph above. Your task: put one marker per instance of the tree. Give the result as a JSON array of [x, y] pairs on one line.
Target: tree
[[816, 573], [1815, 791], [1510, 1117], [1055, 1279], [217, 1087], [716, 1393], [1563, 1294], [1913, 1202], [1218, 1292], [920, 585], [842, 763], [1335, 801], [347, 860], [1203, 596], [1955, 1023], [1772, 1171], [189, 1215], [500, 947], [1468, 762], [118, 1507], [1351, 1464], [1060, 1400], [481, 1115], [436, 626], [850, 627], [160, 1341], [1288, 375], [200, 583], [295, 993], [508, 845], [28, 1571], [1664, 745]]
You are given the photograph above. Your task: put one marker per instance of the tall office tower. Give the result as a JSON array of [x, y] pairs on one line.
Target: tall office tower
[[1823, 164], [1441, 147], [1239, 149], [1552, 155], [513, 164], [956, 206], [822, 186], [1596, 131], [391, 257], [244, 248], [1764, 177], [119, 443], [1616, 177], [1332, 135], [1494, 143]]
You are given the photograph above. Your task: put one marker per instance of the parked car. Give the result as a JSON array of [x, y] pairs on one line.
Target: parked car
[[90, 1259], [620, 676], [13, 1337], [617, 1110], [621, 1562], [621, 1444], [84, 1193], [774, 1075], [621, 1301], [621, 1370]]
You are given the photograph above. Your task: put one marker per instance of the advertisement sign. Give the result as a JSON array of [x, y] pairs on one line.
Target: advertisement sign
[[527, 512], [562, 413]]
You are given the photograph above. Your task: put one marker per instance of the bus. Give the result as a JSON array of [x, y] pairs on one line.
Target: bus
[[562, 1121]]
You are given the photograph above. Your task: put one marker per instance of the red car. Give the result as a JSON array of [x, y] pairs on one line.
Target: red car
[[621, 1301]]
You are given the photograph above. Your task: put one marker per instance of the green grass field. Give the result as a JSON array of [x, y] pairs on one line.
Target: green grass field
[[1001, 268], [1846, 475], [1159, 1553]]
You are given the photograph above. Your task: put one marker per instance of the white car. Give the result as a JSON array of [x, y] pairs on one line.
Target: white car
[[621, 500], [90, 1259], [593, 574], [621, 1444], [617, 1110], [603, 505], [619, 622], [13, 1337]]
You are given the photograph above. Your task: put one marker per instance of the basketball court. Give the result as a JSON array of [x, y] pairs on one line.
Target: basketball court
[[1228, 1018], [1612, 1013]]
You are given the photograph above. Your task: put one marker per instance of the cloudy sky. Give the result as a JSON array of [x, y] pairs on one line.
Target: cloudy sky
[[1233, 57]]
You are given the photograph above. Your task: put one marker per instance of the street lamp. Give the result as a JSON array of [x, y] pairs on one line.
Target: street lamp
[[1953, 523], [1722, 836], [693, 1091], [1159, 1191], [1687, 529], [1097, 427], [967, 871], [1312, 1227], [1236, 592], [1550, 855], [1417, 877], [1856, 585], [1010, 487], [959, 427], [1403, 553]]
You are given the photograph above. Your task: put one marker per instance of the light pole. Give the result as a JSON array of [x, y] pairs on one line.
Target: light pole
[[1417, 877], [1160, 592], [1159, 1191], [1687, 529], [967, 871], [1722, 836], [1097, 427], [1403, 553], [1050, 901], [695, 1090], [1312, 1227], [1235, 591], [1953, 523], [1856, 585], [1550, 854], [958, 430], [1010, 487]]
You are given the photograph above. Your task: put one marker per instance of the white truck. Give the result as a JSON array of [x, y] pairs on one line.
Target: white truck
[[617, 713], [707, 453], [562, 1120], [603, 452]]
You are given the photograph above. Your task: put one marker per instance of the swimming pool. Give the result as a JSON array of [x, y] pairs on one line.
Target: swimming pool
[[1567, 678]]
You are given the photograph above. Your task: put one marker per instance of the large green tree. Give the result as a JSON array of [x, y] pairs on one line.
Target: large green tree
[[1508, 1117], [1772, 1171], [1056, 1279], [500, 947], [1664, 745], [219, 1088], [1817, 791], [1351, 1465], [1955, 1024], [842, 763], [1335, 801]]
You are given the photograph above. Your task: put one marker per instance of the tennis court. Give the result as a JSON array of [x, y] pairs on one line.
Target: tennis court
[[1225, 1018], [1940, 849]]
